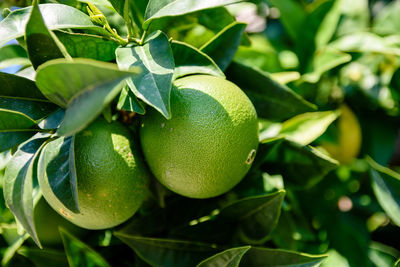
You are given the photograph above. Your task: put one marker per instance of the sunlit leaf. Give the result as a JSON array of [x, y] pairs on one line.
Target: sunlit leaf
[[307, 127], [80, 254], [56, 16], [229, 258], [386, 186], [190, 60], [153, 84], [60, 171], [42, 45], [167, 8], [19, 189]]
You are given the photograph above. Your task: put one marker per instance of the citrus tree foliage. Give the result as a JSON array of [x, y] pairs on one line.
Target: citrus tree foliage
[[306, 201]]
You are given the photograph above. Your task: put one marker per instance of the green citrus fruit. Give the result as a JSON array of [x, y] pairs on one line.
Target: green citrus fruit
[[47, 222], [111, 177], [349, 137], [210, 142]]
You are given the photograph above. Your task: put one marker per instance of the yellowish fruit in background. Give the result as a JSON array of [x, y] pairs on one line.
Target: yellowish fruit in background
[[210, 142], [349, 137], [112, 180]]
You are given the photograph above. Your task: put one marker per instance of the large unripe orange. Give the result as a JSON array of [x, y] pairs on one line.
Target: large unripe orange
[[112, 179], [210, 142]]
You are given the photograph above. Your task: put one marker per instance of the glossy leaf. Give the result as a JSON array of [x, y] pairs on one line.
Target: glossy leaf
[[35, 110], [12, 138], [56, 16], [26, 88], [386, 186], [61, 80], [224, 45], [44, 257], [13, 55], [12, 120], [80, 254], [257, 215], [190, 60], [228, 258], [19, 190], [251, 219], [153, 84], [276, 257], [60, 171], [88, 46], [272, 100], [301, 166], [307, 127], [166, 8], [129, 102], [166, 252], [41, 43]]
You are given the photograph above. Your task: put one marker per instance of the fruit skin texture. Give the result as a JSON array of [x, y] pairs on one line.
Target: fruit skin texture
[[47, 222], [210, 142], [112, 180], [349, 137]]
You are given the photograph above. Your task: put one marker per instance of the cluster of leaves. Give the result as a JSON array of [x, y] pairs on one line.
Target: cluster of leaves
[[84, 59]]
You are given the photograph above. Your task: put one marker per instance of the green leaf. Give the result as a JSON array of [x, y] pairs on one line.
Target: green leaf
[[53, 120], [166, 252], [35, 110], [166, 8], [301, 166], [19, 189], [252, 218], [41, 43], [11, 55], [323, 61], [88, 46], [190, 60], [56, 16], [327, 27], [292, 15], [12, 120], [273, 101], [12, 138], [365, 42], [60, 171], [277, 257], [153, 84], [13, 248], [257, 215], [129, 102], [382, 255], [224, 45], [82, 83], [80, 254], [61, 80], [26, 88], [44, 257], [386, 186], [307, 127], [228, 258], [387, 20]]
